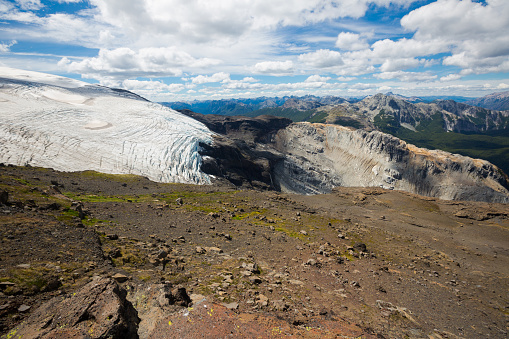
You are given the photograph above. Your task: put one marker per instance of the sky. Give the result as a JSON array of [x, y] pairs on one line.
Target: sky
[[183, 50]]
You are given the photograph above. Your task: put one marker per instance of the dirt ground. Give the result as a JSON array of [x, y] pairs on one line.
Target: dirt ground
[[357, 262]]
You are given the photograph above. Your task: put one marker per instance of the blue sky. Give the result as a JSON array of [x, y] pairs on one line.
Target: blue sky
[[177, 50]]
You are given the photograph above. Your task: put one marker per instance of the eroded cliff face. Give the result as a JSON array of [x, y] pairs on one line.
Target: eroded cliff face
[[319, 157]]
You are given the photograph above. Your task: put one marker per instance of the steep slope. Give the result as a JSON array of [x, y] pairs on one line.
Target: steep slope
[[69, 125], [320, 157], [382, 110], [498, 101]]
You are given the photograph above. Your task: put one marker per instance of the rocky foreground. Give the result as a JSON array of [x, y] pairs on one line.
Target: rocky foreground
[[104, 256]]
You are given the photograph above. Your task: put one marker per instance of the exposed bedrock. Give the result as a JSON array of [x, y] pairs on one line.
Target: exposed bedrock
[[241, 151], [98, 310], [306, 158], [319, 157]]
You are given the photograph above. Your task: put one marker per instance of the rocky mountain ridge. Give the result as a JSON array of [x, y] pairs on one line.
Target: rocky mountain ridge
[[325, 156], [458, 117], [495, 101], [410, 111]]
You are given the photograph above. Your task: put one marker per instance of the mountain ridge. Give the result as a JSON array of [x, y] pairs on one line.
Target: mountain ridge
[[496, 101], [72, 126]]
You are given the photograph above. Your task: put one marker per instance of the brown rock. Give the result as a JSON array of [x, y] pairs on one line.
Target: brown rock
[[23, 308], [232, 306], [4, 197], [120, 277], [98, 310]]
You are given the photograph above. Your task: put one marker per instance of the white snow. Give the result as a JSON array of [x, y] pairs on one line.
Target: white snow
[[70, 125]]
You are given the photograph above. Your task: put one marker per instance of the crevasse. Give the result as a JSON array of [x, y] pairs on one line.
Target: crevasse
[[68, 125]]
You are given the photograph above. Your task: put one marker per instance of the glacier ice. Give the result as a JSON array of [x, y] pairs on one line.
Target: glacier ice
[[69, 125]]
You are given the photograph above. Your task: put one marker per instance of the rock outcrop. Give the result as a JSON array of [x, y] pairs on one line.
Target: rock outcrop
[[458, 117], [241, 153], [305, 158], [98, 310], [320, 157]]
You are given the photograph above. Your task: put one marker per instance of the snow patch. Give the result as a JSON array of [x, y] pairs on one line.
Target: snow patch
[[97, 125], [58, 95]]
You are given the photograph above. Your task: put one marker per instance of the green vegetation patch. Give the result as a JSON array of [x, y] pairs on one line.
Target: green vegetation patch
[[492, 146], [292, 233], [112, 177], [102, 198], [347, 122], [31, 280], [318, 117], [291, 113]]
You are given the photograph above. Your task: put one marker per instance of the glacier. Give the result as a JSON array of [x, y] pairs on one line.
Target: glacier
[[69, 125]]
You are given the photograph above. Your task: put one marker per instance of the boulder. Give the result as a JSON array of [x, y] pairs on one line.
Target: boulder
[[98, 310], [4, 197]]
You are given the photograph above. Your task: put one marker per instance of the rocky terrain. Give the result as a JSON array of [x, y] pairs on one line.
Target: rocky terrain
[[69, 125], [498, 101], [458, 117], [320, 157], [443, 123], [272, 153], [476, 115], [94, 255]]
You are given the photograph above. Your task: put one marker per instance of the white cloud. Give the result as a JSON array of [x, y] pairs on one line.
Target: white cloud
[[476, 34], [406, 76], [29, 4], [4, 48], [322, 58], [384, 89], [408, 48], [391, 65], [218, 77], [274, 67], [345, 78], [351, 42], [450, 77], [151, 86], [219, 19], [123, 63], [317, 78]]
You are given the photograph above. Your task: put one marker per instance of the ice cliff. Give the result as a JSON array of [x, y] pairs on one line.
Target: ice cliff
[[69, 125]]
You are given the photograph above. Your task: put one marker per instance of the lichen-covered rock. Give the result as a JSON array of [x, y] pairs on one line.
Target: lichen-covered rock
[[98, 310]]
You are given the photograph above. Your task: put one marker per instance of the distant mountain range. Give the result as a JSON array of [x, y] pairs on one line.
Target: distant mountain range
[[473, 127], [249, 106], [232, 107], [498, 101]]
